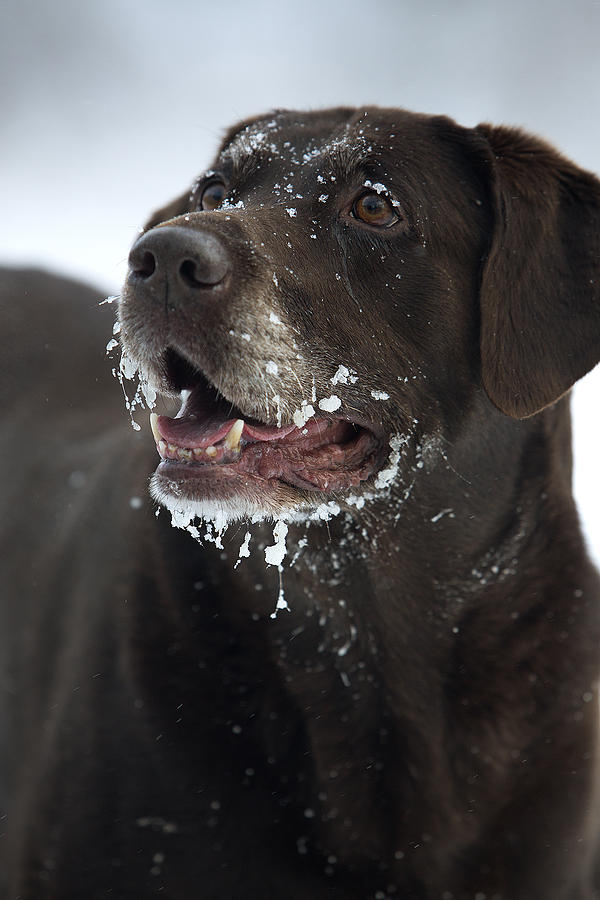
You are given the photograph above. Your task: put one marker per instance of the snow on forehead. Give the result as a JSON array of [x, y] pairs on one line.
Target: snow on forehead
[[268, 137], [258, 136]]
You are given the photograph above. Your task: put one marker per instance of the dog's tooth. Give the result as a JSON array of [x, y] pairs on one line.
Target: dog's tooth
[[172, 448], [199, 453], [183, 453], [154, 427], [211, 451], [162, 448], [234, 435]]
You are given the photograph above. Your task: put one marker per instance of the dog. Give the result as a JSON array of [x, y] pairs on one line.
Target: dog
[[364, 663]]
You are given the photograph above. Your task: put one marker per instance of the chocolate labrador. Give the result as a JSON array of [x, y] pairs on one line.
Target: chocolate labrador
[[370, 669]]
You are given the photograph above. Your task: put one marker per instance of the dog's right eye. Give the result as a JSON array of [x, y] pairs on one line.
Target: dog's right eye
[[212, 196]]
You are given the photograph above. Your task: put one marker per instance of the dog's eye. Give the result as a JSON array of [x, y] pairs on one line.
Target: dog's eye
[[375, 209], [212, 196]]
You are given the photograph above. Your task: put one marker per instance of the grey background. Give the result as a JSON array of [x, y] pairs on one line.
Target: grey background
[[107, 109]]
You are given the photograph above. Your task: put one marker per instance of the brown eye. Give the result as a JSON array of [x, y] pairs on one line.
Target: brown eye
[[375, 209], [212, 196]]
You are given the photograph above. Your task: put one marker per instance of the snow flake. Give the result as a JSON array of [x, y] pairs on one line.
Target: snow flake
[[326, 511], [441, 514], [344, 375], [244, 550], [330, 404], [386, 476], [301, 416]]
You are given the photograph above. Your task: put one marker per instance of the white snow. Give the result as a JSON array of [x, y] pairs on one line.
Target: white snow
[[301, 416], [244, 550], [378, 187], [330, 404], [441, 514], [277, 402], [386, 476], [344, 375], [275, 554], [127, 366], [327, 510]]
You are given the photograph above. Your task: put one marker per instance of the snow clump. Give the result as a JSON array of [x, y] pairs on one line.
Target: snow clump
[[330, 404]]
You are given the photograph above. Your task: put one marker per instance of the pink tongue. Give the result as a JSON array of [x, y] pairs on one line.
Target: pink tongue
[[198, 427], [188, 431], [203, 421]]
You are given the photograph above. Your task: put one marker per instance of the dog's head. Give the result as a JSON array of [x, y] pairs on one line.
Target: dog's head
[[341, 282]]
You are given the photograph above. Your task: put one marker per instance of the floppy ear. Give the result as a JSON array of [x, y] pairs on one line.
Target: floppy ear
[[176, 207], [540, 292]]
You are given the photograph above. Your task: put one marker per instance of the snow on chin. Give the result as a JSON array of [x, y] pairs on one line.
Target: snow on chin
[[221, 513], [224, 512], [215, 516], [218, 515]]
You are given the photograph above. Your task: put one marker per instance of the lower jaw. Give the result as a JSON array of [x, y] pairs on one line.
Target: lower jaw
[[225, 495], [214, 491]]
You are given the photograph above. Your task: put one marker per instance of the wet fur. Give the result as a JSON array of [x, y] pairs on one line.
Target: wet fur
[[422, 723]]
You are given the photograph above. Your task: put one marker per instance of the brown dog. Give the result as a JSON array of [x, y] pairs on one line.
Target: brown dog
[[373, 318]]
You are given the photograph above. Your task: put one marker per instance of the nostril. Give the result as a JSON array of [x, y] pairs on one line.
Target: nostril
[[188, 271], [178, 258], [142, 263]]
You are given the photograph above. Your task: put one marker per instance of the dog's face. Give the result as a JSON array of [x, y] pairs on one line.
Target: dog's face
[[315, 301]]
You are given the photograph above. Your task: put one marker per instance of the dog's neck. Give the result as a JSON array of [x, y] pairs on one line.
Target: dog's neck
[[397, 589]]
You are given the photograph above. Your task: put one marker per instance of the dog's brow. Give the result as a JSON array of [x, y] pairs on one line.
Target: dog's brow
[[343, 160], [348, 163], [235, 155], [241, 153]]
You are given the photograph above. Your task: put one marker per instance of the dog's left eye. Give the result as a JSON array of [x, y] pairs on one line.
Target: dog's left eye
[[212, 196], [375, 209]]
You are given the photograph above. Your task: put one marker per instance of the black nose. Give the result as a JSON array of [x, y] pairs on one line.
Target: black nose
[[183, 257]]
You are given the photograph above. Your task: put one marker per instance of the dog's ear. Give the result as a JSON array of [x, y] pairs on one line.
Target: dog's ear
[[540, 292], [176, 207]]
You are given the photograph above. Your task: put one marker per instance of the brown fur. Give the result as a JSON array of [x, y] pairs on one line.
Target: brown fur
[[422, 723]]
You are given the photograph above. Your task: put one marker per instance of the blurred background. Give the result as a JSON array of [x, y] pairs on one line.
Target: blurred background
[[108, 109]]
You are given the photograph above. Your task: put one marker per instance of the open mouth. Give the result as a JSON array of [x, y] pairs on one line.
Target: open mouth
[[211, 438]]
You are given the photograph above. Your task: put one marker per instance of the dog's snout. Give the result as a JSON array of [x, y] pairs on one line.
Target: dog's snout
[[181, 256]]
